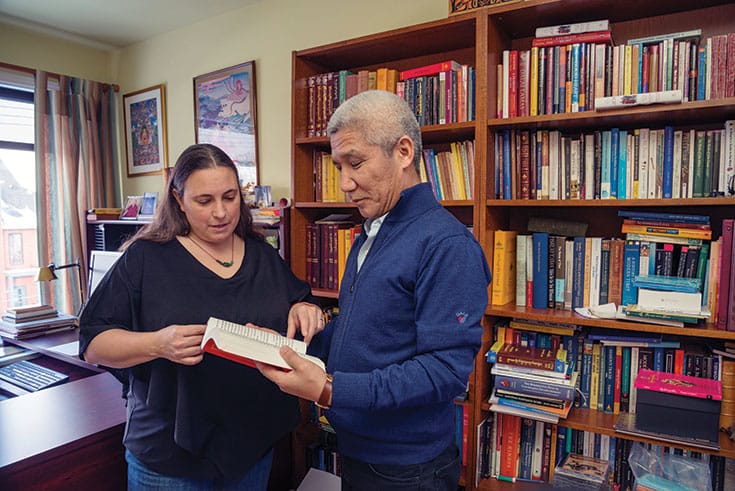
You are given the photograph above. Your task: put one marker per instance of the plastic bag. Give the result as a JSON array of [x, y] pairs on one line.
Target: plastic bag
[[654, 470]]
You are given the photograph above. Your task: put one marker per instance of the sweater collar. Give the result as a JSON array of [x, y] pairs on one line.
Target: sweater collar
[[413, 202]]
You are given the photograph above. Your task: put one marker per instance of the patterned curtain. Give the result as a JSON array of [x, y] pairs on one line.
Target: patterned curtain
[[76, 169]]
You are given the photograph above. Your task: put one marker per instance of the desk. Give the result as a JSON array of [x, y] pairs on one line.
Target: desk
[[64, 437]]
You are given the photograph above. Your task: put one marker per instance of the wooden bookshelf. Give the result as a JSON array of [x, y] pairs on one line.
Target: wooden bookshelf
[[512, 27], [478, 38]]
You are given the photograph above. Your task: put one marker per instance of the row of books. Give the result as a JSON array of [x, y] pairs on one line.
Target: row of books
[[602, 364], [584, 71], [450, 172], [542, 270], [439, 93], [328, 243], [642, 163]]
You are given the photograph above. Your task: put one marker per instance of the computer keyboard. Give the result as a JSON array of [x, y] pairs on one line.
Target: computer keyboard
[[30, 376]]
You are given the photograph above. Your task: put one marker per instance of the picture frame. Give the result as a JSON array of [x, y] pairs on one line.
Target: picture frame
[[225, 115], [148, 204], [132, 208], [145, 130]]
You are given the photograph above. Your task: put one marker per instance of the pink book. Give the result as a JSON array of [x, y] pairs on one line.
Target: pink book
[[723, 293], [683, 385]]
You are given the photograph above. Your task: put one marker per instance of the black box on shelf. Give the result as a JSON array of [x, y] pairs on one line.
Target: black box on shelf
[[678, 404]]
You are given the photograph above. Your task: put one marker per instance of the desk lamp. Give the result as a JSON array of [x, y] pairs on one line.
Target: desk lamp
[[48, 273]]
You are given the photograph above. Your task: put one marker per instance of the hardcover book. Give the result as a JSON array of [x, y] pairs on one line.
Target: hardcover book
[[539, 358], [504, 267], [247, 345]]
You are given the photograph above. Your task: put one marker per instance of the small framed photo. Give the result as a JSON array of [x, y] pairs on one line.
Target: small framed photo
[[148, 204], [145, 131], [132, 208]]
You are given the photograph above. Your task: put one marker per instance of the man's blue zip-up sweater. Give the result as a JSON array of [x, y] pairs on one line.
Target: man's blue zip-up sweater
[[407, 333]]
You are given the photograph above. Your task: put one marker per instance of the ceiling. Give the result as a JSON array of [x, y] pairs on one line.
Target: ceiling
[[110, 24]]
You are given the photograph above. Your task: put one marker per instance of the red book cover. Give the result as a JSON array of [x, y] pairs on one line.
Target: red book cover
[[679, 361], [524, 356], [644, 69], [585, 37], [550, 86], [524, 78], [730, 88], [510, 445], [513, 84], [430, 70], [723, 294], [721, 66], [683, 385]]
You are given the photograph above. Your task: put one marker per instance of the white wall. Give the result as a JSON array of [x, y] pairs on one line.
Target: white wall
[[266, 32]]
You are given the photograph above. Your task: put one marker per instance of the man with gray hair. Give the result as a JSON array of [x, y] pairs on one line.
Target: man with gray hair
[[411, 303]]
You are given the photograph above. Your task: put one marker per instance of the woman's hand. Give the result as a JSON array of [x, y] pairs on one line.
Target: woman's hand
[[181, 343], [306, 317], [120, 348]]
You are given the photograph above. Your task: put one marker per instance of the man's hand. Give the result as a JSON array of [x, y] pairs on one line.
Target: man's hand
[[306, 317], [306, 379]]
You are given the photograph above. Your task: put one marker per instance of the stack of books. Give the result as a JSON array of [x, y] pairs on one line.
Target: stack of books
[[531, 382], [672, 253], [35, 320]]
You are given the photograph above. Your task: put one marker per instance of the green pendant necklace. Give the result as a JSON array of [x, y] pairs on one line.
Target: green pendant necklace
[[224, 264]]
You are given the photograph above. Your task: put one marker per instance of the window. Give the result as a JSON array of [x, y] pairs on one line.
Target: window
[[15, 249], [18, 224]]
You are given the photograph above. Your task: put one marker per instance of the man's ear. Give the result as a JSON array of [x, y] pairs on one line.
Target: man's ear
[[405, 150]]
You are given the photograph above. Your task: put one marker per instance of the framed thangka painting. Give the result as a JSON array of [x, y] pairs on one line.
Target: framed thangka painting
[[145, 130], [224, 111]]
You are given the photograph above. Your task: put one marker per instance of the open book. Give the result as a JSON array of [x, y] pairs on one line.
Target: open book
[[247, 345]]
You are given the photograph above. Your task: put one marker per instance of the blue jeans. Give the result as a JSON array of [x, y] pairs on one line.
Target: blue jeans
[[439, 474], [141, 478]]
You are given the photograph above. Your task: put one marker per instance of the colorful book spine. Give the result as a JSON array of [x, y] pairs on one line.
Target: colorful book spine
[[430, 70], [631, 255], [540, 270]]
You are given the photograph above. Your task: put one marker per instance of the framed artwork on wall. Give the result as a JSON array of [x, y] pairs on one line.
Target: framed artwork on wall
[[224, 113], [145, 130]]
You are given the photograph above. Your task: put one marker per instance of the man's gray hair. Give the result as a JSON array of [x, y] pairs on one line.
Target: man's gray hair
[[382, 118]]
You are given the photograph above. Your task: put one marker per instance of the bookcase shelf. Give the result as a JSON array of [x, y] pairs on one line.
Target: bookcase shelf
[[569, 317], [478, 38], [654, 114]]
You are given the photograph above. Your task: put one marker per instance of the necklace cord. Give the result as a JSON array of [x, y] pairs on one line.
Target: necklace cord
[[224, 264]]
